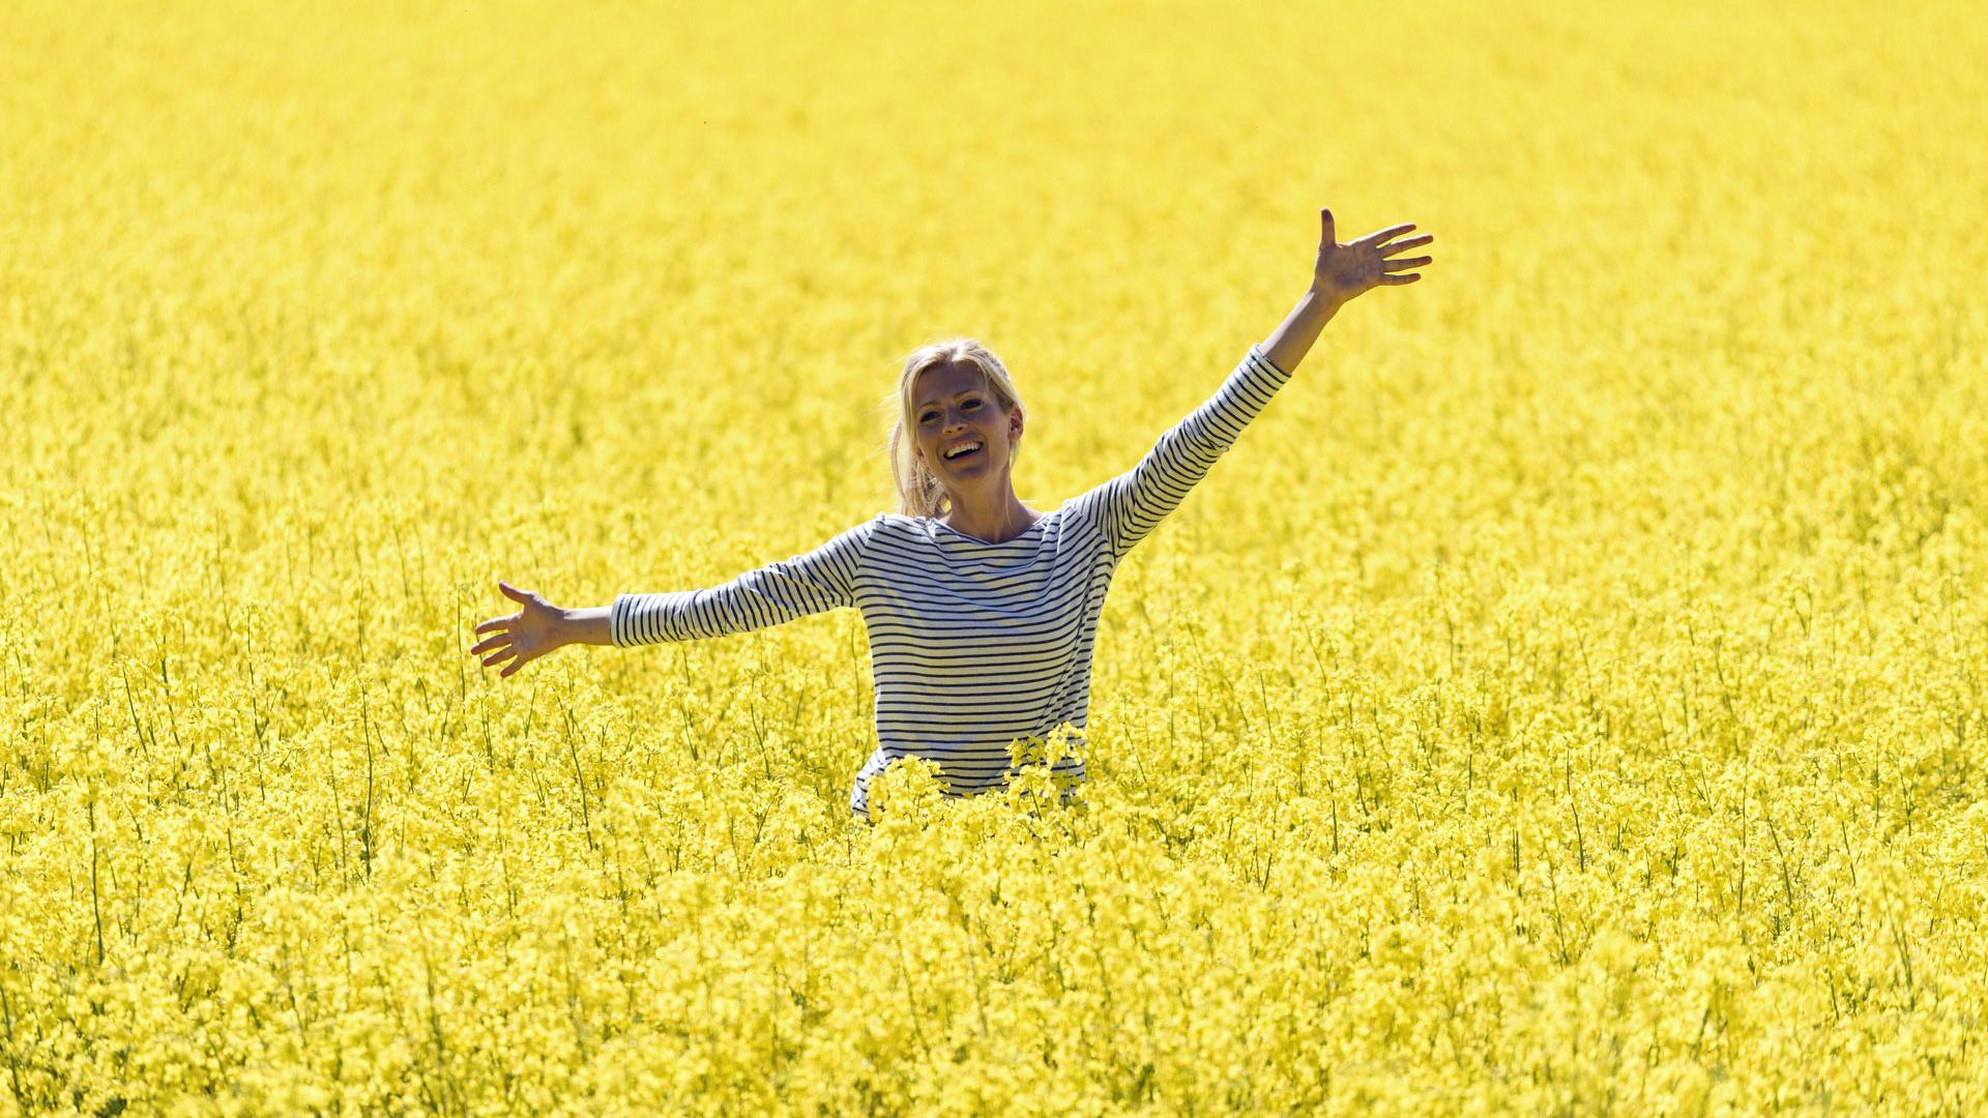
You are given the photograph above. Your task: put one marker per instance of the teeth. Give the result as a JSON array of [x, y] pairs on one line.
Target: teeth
[[962, 449]]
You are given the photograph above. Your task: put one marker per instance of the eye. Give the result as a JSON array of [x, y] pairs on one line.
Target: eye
[[972, 403]]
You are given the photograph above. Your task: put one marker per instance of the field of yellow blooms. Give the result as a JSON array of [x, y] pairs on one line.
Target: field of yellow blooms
[[1566, 698]]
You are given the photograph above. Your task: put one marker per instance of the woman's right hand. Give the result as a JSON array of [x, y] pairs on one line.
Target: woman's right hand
[[536, 629]]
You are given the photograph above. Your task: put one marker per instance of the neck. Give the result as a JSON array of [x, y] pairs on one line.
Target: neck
[[996, 520]]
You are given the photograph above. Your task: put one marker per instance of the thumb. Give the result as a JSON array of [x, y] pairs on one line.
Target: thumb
[[513, 592], [1326, 233]]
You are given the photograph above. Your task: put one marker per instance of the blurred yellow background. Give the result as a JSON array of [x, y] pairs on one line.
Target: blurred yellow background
[[1567, 696]]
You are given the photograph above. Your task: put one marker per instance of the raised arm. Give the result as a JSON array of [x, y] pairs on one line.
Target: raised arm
[[1128, 507], [820, 580]]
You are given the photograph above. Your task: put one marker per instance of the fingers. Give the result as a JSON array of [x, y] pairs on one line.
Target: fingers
[[1389, 233], [496, 623], [514, 593], [487, 644], [1404, 246], [516, 656], [1405, 262], [1393, 280], [1326, 233]]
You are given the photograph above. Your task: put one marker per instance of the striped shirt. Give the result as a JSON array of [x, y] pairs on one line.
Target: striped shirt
[[973, 645]]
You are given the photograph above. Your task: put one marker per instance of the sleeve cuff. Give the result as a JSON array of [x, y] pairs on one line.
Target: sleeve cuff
[[1256, 352]]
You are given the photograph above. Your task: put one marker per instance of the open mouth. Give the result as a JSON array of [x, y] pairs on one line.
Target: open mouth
[[964, 451]]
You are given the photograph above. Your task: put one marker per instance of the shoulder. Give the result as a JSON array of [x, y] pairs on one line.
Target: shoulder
[[897, 524], [855, 538], [897, 530], [1083, 506]]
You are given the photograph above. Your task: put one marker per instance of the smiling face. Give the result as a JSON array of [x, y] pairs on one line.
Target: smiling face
[[953, 408]]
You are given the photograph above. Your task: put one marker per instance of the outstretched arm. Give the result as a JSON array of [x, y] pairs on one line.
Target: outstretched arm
[[1342, 274], [819, 580]]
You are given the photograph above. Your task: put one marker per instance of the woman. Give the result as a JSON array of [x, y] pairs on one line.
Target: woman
[[981, 611]]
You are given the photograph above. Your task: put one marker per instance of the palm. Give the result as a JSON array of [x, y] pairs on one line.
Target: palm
[[1352, 269], [521, 637]]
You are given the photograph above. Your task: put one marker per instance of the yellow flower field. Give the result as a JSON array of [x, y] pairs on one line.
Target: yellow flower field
[[1566, 698]]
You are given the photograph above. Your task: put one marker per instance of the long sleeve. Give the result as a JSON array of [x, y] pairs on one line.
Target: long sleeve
[[1129, 506], [815, 582]]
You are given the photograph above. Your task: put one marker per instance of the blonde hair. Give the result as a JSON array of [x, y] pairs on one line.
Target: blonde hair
[[919, 492]]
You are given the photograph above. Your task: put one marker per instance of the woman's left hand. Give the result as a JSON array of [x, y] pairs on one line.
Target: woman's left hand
[[1353, 269]]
